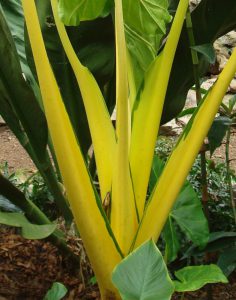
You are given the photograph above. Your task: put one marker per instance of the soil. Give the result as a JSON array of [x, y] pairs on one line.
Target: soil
[[13, 153], [28, 268]]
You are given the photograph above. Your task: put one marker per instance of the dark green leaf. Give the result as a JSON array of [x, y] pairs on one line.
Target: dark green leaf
[[227, 260], [143, 275], [15, 19], [188, 214], [157, 168], [193, 278], [217, 132], [188, 111], [232, 102], [19, 94], [172, 245], [207, 50], [6, 205], [217, 242], [57, 292]]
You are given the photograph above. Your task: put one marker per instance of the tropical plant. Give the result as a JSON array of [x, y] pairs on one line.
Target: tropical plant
[[120, 218]]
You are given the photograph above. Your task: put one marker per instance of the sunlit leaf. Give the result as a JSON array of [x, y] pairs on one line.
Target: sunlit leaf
[[193, 278], [143, 275]]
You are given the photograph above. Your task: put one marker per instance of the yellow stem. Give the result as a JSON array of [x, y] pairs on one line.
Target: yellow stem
[[148, 109], [182, 158], [91, 224], [101, 128], [123, 212]]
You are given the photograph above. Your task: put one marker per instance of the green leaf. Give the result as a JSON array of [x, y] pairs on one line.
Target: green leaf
[[188, 111], [217, 132], [145, 25], [172, 245], [157, 168], [227, 260], [29, 231], [143, 275], [232, 102], [218, 241], [193, 278], [72, 12], [188, 214], [57, 292], [37, 232], [207, 50], [13, 219]]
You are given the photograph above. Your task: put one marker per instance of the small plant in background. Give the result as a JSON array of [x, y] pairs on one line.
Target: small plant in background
[[34, 188], [219, 201]]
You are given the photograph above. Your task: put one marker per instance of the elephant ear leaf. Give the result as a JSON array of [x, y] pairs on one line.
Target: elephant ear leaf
[[143, 275], [145, 25]]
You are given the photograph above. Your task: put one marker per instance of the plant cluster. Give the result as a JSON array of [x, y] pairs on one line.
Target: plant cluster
[[63, 107]]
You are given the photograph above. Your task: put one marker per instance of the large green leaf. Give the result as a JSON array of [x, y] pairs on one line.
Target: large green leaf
[[18, 94], [56, 292], [188, 214], [145, 25], [143, 275], [72, 12], [29, 231], [193, 278]]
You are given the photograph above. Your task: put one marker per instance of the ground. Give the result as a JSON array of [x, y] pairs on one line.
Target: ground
[[12, 152], [28, 269]]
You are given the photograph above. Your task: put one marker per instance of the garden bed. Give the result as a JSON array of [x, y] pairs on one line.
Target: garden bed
[[28, 268]]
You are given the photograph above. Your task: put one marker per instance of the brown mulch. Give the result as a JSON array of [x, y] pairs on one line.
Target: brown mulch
[[29, 267]]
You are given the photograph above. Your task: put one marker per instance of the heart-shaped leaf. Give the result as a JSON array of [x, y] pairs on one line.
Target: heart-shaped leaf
[[143, 275]]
